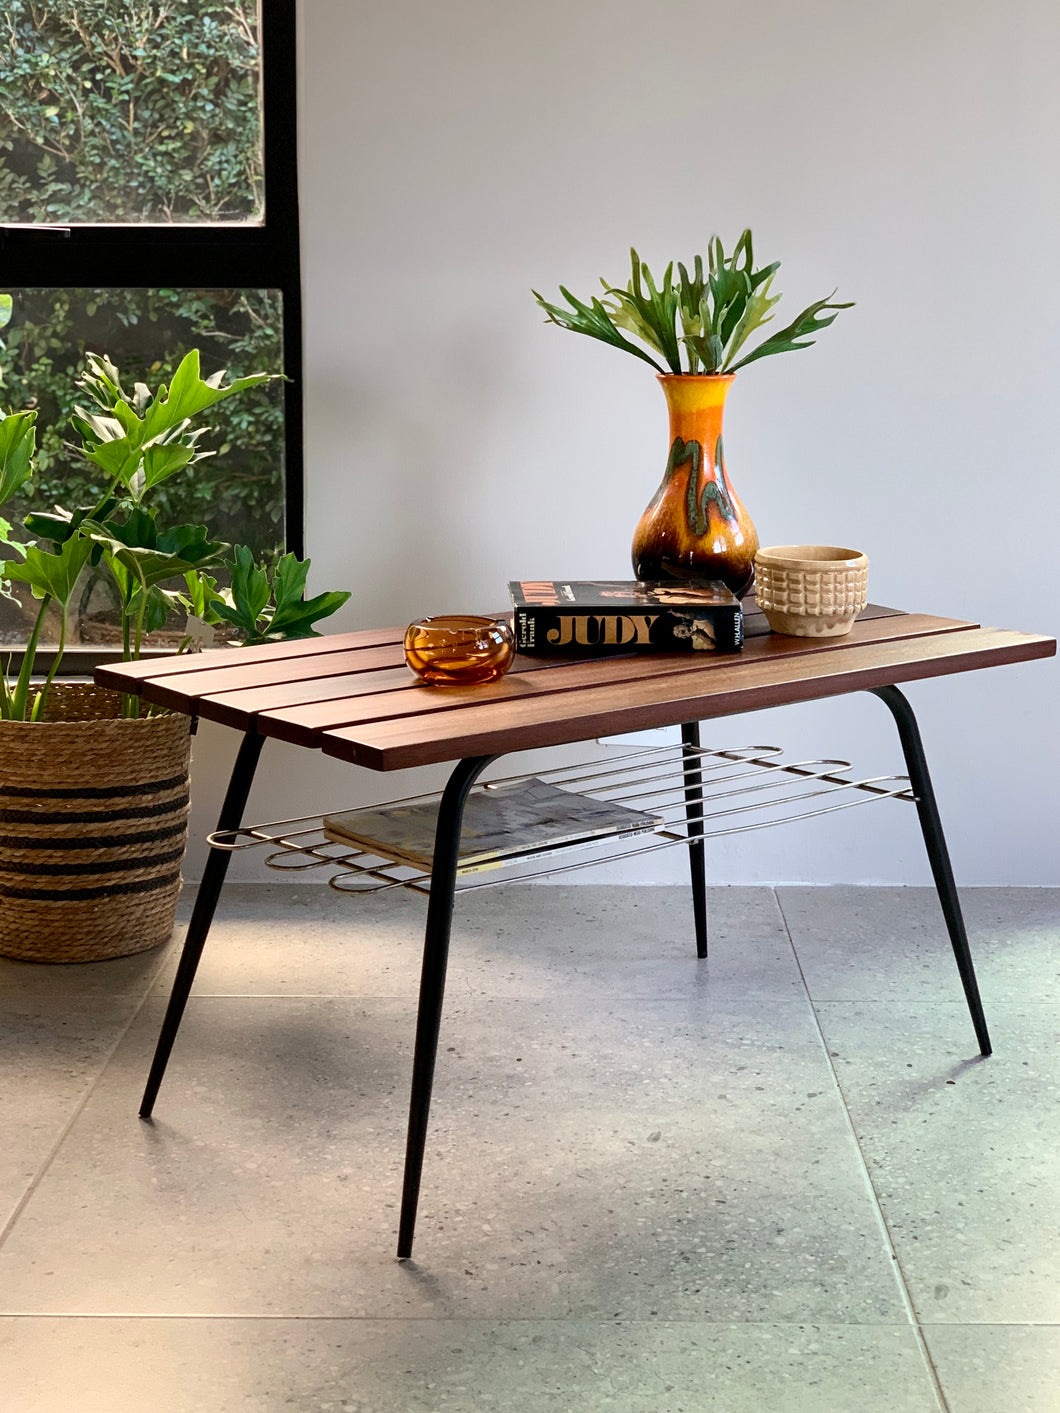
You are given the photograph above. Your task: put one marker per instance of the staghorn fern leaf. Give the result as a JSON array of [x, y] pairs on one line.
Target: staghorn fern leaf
[[592, 319], [787, 340], [709, 315], [653, 310], [756, 313]]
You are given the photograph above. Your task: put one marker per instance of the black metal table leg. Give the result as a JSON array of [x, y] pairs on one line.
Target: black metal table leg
[[697, 853], [938, 855], [432, 984], [213, 877]]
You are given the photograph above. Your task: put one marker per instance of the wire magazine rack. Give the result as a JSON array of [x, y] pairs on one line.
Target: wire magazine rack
[[694, 792]]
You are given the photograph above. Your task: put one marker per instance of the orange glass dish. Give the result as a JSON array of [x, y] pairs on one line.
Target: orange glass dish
[[459, 649]]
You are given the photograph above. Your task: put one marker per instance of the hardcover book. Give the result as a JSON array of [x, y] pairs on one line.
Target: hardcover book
[[612, 615], [500, 821]]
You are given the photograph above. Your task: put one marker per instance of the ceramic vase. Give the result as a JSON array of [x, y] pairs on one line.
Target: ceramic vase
[[696, 528]]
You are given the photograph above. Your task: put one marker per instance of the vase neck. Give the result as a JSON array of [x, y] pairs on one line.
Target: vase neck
[[696, 405]]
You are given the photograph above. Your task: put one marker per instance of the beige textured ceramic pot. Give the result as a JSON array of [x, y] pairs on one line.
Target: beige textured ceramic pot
[[811, 591]]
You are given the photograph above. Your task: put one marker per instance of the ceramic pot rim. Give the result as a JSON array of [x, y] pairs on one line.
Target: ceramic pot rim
[[811, 557], [695, 377]]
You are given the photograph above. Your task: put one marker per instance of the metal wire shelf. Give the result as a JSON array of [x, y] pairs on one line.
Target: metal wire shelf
[[653, 779]]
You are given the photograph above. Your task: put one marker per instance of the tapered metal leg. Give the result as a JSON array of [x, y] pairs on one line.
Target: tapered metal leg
[[697, 853], [938, 855], [432, 985], [213, 877]]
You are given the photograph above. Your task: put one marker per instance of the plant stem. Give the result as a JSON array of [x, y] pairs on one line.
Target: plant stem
[[21, 693], [140, 619], [43, 694], [127, 702]]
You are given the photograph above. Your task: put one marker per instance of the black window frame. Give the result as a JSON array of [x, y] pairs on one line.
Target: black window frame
[[219, 256]]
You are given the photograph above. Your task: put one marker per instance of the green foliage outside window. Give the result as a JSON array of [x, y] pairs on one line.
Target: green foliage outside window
[[142, 111], [240, 492]]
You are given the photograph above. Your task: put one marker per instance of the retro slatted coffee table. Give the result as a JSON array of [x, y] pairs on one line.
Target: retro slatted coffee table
[[351, 696]]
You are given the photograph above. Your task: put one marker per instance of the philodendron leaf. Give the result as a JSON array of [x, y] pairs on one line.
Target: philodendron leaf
[[294, 614], [298, 620], [162, 461], [171, 554], [267, 613], [7, 305], [17, 444], [250, 593], [192, 543], [160, 603], [117, 459], [53, 574], [138, 530], [139, 441], [102, 381], [189, 395], [59, 524], [9, 548], [202, 596]]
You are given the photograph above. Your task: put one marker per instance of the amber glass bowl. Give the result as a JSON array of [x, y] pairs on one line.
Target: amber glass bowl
[[459, 649]]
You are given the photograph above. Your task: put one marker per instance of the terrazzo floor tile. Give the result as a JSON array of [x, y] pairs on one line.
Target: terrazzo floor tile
[[684, 1157], [120, 977], [961, 1151], [515, 940], [868, 944], [50, 1053], [429, 1366], [997, 1368]]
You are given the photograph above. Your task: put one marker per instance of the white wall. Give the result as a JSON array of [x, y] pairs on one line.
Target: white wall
[[455, 154]]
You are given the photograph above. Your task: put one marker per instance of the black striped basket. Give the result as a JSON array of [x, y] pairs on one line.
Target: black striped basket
[[93, 822]]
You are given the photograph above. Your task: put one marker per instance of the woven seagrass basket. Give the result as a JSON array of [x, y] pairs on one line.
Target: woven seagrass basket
[[93, 822]]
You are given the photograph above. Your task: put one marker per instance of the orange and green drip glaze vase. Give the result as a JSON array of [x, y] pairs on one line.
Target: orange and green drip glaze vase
[[695, 528]]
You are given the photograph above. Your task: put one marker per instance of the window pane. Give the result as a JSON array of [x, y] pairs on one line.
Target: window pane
[[142, 112], [238, 494]]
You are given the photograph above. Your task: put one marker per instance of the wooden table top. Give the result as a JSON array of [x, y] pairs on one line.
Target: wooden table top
[[351, 695]]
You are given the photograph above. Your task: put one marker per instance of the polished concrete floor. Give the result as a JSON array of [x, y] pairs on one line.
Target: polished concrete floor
[[778, 1181]]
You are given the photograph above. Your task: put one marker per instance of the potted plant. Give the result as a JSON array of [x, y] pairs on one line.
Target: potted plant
[[94, 790], [695, 527]]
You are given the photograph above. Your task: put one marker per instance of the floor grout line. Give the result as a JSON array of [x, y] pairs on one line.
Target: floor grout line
[[903, 1285], [604, 1322]]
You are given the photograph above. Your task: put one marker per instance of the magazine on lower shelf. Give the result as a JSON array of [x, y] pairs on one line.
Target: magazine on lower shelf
[[524, 816]]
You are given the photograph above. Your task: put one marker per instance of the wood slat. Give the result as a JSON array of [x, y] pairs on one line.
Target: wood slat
[[185, 693], [750, 685], [126, 676], [241, 708], [301, 723]]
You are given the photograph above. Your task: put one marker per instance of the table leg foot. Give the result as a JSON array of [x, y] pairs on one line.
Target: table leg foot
[[938, 854]]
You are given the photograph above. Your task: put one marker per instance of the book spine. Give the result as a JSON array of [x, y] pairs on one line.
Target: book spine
[[589, 631]]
